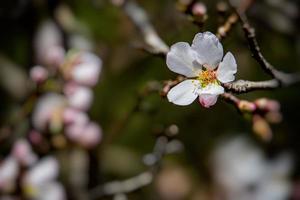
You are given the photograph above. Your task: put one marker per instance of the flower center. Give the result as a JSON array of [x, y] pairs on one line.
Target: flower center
[[207, 77]]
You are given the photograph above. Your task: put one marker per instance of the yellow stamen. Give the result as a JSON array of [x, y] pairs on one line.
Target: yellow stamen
[[207, 77]]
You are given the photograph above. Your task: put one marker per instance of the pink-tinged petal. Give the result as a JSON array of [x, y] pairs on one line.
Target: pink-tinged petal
[[91, 136], [209, 49], [182, 60], [184, 93], [208, 100], [22, 151], [208, 96], [74, 116], [227, 68]]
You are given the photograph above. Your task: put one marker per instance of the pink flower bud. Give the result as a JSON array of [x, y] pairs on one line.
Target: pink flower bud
[[38, 74], [23, 153], [247, 106], [79, 97], [199, 9], [88, 70], [91, 136], [262, 128], [35, 137], [267, 104]]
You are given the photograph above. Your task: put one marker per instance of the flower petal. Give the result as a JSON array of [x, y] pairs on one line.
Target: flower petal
[[182, 60], [184, 93], [208, 48], [213, 89], [208, 100], [227, 68]]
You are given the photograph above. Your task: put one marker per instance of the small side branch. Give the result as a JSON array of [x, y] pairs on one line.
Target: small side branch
[[283, 78], [155, 45]]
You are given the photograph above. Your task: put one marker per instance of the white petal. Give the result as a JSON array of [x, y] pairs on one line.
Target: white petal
[[182, 60], [44, 171], [227, 68], [50, 191], [208, 100], [208, 48], [184, 93], [212, 89]]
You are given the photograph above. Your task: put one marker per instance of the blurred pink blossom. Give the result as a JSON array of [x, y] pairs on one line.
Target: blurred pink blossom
[[23, 153], [38, 74], [48, 44]]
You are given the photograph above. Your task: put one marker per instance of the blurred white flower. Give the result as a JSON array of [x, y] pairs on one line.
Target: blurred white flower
[[23, 153], [49, 111], [241, 172], [202, 62], [88, 69], [48, 45], [40, 181], [88, 135], [9, 171], [38, 74], [79, 97]]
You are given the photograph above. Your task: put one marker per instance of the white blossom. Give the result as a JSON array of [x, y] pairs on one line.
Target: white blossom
[[241, 172], [202, 64], [48, 111], [40, 181], [9, 171]]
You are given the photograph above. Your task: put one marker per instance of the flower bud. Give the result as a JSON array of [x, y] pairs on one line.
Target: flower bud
[[23, 153], [38, 74], [246, 106], [199, 9], [267, 104], [92, 135], [262, 128]]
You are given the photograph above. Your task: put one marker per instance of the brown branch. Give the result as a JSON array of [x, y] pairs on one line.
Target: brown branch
[[162, 147], [154, 44], [224, 29], [283, 78]]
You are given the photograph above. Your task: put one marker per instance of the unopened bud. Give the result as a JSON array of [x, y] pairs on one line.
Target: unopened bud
[[262, 128], [246, 106], [38, 74], [267, 104], [199, 9]]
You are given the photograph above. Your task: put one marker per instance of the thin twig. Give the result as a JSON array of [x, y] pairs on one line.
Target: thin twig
[[155, 45]]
